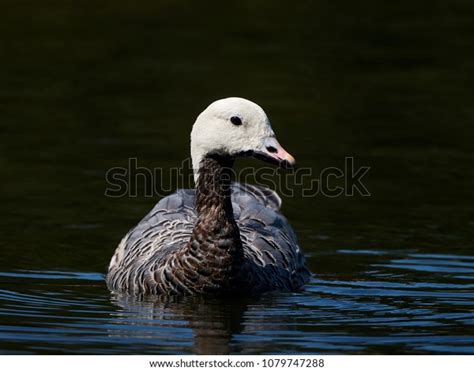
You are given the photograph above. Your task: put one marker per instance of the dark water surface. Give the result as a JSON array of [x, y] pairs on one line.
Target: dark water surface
[[86, 85]]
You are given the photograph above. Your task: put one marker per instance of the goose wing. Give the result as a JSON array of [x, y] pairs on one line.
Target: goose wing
[[166, 227], [269, 242]]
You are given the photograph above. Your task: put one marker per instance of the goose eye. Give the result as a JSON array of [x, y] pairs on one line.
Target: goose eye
[[236, 120]]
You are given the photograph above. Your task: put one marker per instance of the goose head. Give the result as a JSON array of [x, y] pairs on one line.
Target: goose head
[[235, 127]]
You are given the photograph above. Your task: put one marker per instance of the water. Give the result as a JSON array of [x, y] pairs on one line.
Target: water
[[391, 303], [86, 86]]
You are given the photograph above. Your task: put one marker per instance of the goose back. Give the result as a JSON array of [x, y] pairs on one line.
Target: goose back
[[272, 260]]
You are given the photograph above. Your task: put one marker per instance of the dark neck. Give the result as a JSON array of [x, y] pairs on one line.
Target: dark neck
[[213, 196], [215, 226], [212, 259]]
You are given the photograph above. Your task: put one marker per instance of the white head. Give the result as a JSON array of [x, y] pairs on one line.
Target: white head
[[236, 127]]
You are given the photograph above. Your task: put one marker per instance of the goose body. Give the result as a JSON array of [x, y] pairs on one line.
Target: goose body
[[222, 236]]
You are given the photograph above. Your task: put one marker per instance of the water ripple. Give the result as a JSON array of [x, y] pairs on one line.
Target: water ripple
[[371, 309]]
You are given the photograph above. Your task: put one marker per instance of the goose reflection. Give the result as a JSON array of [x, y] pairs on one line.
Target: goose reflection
[[166, 322]]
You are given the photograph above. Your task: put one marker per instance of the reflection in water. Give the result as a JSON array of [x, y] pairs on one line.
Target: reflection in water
[[86, 87], [213, 321], [374, 302]]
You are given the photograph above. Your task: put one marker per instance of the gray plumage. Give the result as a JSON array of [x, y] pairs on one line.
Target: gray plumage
[[272, 256], [221, 237]]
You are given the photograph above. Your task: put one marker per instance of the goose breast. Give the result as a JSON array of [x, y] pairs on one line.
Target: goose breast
[[273, 258]]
